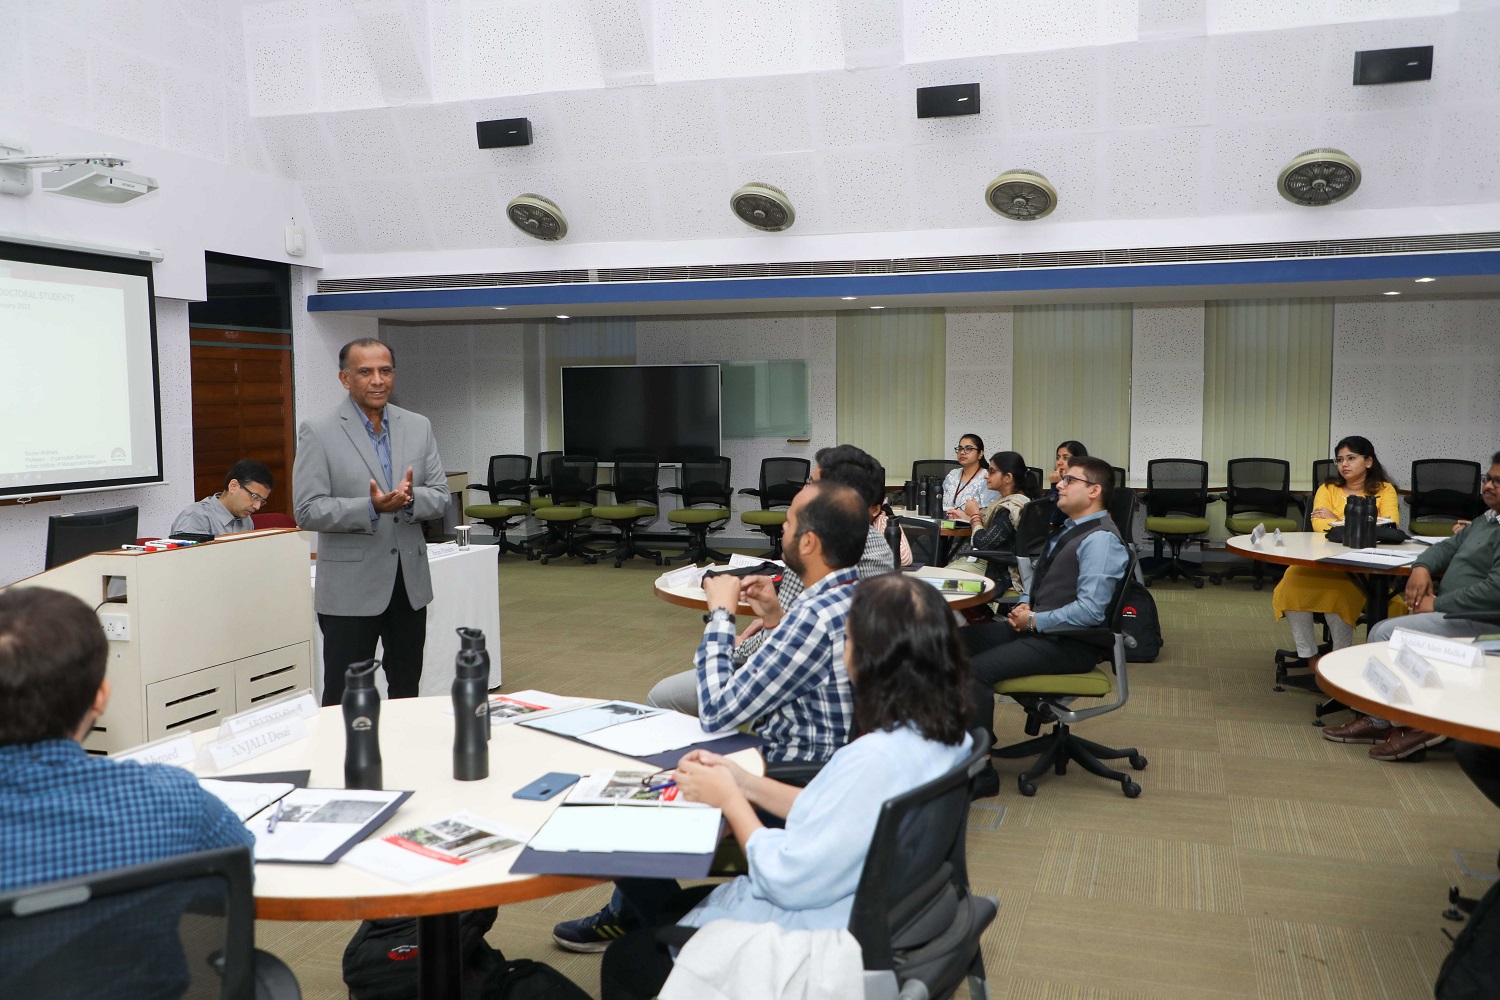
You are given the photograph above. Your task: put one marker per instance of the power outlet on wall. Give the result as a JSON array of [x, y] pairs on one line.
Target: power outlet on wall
[[116, 627]]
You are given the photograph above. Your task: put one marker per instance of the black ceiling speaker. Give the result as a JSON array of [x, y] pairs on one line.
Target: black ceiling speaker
[[504, 132], [1393, 65], [945, 102]]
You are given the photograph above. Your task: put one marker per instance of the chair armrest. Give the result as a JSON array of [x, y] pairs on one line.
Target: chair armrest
[[273, 979], [748, 492], [674, 490], [794, 772], [1475, 616], [478, 486], [992, 555]]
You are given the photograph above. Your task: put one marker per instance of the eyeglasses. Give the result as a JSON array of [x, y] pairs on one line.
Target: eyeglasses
[[961, 449], [1490, 481], [1075, 479], [656, 778], [254, 495]]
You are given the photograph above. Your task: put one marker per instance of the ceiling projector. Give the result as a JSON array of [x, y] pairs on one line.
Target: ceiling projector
[[96, 182]]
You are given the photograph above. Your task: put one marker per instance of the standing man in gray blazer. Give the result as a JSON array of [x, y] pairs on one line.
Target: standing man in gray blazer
[[348, 486]]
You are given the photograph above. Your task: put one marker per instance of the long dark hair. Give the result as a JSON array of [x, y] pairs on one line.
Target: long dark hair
[[1011, 462], [908, 665], [1074, 448], [1361, 446], [978, 443]]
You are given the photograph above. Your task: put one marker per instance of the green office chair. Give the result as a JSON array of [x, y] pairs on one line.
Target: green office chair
[[706, 498], [1177, 513], [508, 487], [637, 499], [1443, 490], [1260, 492], [573, 497], [780, 479], [542, 484], [1046, 699]]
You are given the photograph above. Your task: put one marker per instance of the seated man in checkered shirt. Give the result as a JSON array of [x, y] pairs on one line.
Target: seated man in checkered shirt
[[793, 691], [64, 813]]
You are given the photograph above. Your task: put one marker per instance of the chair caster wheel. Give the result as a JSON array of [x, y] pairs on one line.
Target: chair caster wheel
[[1131, 789], [1197, 584], [658, 560], [1257, 585], [1277, 687], [1215, 579], [667, 563], [1061, 767], [1027, 788], [1138, 762], [589, 560], [544, 560]]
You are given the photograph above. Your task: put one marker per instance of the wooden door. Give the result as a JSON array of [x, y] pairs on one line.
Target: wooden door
[[242, 408]]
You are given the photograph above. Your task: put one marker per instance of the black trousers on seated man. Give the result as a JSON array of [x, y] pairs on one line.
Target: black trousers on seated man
[[998, 652], [400, 628]]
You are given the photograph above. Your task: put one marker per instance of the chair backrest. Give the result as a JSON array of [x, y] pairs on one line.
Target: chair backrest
[[573, 479], [916, 852], [544, 463], [181, 927], [939, 467], [1444, 488], [925, 537], [1259, 485], [1324, 469], [509, 478], [1033, 526], [637, 480], [1176, 486], [269, 520], [706, 481], [780, 479], [1035, 480], [1122, 507]]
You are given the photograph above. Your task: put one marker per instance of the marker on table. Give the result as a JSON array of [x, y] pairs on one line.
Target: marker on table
[[271, 826]]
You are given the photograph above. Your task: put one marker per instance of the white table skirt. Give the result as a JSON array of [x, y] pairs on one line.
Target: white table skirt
[[465, 593]]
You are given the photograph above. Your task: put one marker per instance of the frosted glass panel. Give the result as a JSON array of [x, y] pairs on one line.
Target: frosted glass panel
[[765, 399]]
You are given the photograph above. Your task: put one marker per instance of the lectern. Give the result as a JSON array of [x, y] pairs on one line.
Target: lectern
[[198, 633]]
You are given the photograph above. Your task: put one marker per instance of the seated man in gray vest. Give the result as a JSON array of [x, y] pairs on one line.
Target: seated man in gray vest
[[246, 489], [1071, 585]]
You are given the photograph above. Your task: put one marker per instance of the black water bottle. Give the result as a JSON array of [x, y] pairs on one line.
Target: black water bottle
[[471, 707], [921, 490], [893, 536], [362, 727], [909, 495]]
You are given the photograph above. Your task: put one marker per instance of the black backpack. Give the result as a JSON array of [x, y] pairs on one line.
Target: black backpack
[[524, 979], [1472, 969], [1141, 624]]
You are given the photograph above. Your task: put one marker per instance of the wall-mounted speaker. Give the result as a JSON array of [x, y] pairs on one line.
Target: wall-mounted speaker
[[946, 102], [504, 132], [1392, 65]]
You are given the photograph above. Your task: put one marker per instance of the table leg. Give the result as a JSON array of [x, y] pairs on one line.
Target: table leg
[[441, 961]]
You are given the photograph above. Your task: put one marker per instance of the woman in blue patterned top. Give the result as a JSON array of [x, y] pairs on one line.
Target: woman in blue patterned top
[[967, 481], [911, 687]]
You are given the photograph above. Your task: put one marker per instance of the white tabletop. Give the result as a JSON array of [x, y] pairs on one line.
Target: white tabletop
[[1466, 706], [416, 743], [693, 596], [1304, 547]]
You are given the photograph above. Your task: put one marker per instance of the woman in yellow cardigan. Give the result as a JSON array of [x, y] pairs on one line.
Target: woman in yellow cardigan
[[1303, 590]]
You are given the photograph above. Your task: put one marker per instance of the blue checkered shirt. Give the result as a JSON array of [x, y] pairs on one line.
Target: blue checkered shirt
[[64, 813], [794, 691]]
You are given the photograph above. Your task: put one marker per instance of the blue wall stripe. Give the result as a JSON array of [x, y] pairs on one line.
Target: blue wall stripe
[[1436, 265]]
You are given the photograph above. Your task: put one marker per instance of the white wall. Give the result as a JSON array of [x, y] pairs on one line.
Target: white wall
[[980, 344], [316, 339]]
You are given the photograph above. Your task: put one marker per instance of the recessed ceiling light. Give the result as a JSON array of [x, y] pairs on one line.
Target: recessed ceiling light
[[561, 316], [877, 307], [848, 298], [1423, 281], [1390, 293], [499, 308]]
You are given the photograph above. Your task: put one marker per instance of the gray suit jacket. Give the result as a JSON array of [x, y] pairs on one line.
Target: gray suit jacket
[[357, 557]]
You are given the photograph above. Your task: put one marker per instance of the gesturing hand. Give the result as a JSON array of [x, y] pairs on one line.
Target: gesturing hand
[[722, 592], [387, 503], [711, 784]]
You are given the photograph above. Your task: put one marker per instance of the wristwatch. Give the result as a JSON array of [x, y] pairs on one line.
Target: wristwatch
[[719, 615]]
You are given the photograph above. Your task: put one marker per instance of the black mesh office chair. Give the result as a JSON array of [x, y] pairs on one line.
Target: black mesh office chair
[[1443, 490], [1120, 477], [574, 493], [636, 490], [1260, 492], [182, 928], [780, 479], [542, 492], [1177, 513], [939, 467], [1036, 482], [508, 487], [706, 499], [1323, 470]]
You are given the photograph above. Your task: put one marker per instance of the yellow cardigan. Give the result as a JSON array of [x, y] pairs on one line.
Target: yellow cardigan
[[1306, 588]]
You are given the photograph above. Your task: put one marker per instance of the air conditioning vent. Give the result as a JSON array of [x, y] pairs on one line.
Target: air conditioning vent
[[1319, 177], [537, 217], [1022, 195], [763, 206]]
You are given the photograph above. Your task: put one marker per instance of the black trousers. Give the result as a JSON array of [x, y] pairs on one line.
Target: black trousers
[[636, 966], [1482, 766], [998, 652], [351, 638]]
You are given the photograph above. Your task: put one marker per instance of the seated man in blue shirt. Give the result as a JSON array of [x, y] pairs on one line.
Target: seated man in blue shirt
[[793, 691], [64, 813], [1071, 585], [246, 489]]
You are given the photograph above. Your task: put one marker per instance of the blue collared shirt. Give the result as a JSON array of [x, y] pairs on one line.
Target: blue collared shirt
[[382, 443], [1101, 559], [64, 813], [794, 690]]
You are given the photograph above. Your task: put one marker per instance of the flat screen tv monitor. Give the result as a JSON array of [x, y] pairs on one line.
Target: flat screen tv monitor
[[670, 411], [73, 536], [78, 359]]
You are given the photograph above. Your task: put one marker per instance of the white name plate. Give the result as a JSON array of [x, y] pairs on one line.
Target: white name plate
[[1418, 668], [301, 704], [176, 750], [1276, 539], [1390, 687], [1258, 534], [1437, 648], [252, 743]]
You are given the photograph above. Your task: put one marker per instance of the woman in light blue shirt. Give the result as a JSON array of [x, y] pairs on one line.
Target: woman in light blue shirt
[[967, 481], [911, 691]]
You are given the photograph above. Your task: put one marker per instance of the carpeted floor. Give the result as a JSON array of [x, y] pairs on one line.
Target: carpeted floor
[[1259, 861]]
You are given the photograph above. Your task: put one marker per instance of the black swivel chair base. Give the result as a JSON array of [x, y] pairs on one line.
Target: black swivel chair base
[[629, 548], [774, 534], [505, 544], [1059, 748], [564, 543], [1175, 567], [697, 549], [1256, 571]]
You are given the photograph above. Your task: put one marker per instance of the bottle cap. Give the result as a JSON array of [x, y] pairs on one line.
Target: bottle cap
[[362, 674], [469, 665], [470, 638]]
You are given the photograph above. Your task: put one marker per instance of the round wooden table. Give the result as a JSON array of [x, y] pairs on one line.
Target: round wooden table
[[1466, 707], [693, 596], [416, 741]]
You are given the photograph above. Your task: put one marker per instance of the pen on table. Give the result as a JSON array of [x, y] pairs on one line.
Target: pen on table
[[665, 784], [271, 826]]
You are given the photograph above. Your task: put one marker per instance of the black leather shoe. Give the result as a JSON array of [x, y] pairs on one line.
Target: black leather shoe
[[984, 785]]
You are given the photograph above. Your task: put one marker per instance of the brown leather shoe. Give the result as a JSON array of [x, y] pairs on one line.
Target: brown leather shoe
[[1403, 742], [1361, 730]]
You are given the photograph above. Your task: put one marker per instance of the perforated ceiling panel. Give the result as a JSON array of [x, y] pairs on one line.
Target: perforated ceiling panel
[[693, 40], [1262, 15], [947, 29]]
